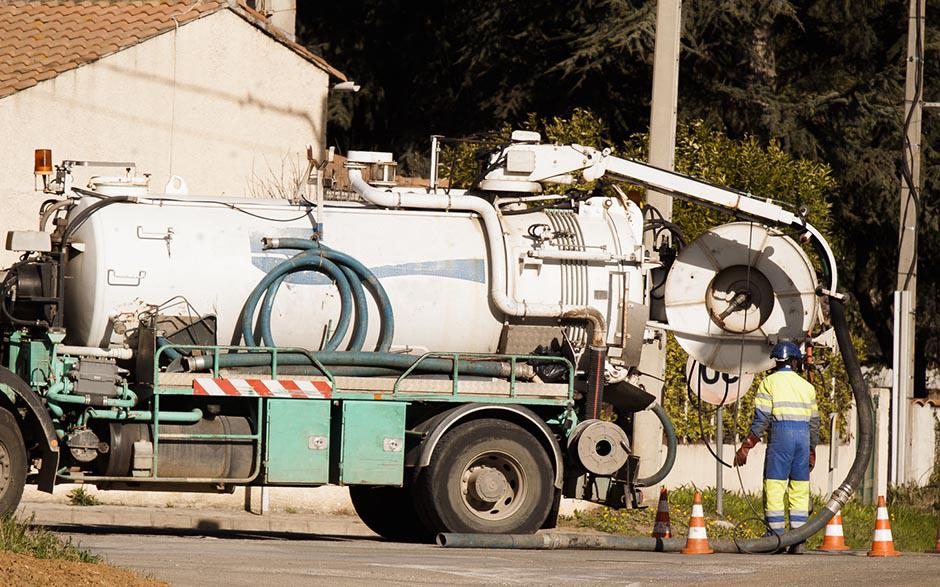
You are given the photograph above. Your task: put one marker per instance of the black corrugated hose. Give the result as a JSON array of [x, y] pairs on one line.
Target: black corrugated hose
[[755, 545]]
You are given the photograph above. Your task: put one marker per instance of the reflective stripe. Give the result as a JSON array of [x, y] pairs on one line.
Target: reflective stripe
[[883, 536], [799, 513], [801, 405], [791, 417], [777, 525], [697, 511], [774, 513], [882, 514], [796, 523], [834, 530], [698, 532]]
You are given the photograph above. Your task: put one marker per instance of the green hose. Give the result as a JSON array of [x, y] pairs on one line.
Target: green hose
[[368, 361], [365, 277]]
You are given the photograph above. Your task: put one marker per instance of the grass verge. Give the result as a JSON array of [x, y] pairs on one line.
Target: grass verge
[[913, 519], [23, 538]]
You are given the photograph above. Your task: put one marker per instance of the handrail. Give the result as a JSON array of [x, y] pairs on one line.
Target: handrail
[[456, 357], [217, 349]]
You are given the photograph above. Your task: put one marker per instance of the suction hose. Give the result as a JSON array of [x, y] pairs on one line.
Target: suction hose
[[351, 278], [838, 498], [671, 448]]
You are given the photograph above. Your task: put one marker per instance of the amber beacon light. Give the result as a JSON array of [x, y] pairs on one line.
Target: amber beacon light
[[42, 165]]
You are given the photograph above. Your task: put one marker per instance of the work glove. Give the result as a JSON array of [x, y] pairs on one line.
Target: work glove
[[740, 457], [812, 458]]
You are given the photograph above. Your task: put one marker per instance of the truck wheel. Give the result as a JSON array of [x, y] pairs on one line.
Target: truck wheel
[[486, 476], [12, 463], [389, 512]]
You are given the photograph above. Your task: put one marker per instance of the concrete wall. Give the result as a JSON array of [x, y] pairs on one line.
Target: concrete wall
[[219, 103]]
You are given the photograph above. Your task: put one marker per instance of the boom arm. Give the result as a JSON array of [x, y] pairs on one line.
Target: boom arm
[[534, 163]]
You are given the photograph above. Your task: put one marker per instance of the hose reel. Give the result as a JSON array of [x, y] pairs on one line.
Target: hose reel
[[736, 290]]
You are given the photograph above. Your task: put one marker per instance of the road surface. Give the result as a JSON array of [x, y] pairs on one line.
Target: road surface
[[233, 559]]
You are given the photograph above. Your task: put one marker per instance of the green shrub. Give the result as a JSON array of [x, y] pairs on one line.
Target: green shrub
[[80, 497], [23, 538]]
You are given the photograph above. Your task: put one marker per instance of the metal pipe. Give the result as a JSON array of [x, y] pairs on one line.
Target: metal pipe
[[588, 256], [50, 211], [494, 235], [176, 417], [95, 352]]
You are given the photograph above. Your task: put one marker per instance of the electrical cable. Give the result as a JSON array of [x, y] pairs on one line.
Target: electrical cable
[[907, 155]]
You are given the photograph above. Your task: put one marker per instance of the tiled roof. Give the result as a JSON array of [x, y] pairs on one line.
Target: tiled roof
[[39, 39]]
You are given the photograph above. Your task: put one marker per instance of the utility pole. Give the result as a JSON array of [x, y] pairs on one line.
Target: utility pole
[[905, 298], [647, 432]]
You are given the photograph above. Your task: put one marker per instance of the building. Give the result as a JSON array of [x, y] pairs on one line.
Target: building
[[209, 90]]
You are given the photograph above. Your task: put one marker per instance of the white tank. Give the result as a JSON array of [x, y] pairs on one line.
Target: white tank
[[433, 265]]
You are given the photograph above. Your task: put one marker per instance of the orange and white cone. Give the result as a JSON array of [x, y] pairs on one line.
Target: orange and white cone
[[697, 542], [661, 528], [834, 540], [882, 543]]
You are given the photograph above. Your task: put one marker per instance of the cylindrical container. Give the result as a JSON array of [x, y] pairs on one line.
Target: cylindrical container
[[435, 266], [117, 185], [183, 458]]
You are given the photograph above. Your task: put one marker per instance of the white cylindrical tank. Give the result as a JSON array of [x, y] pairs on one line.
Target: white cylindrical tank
[[434, 266]]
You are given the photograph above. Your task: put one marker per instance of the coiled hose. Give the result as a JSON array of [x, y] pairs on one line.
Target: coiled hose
[[352, 278]]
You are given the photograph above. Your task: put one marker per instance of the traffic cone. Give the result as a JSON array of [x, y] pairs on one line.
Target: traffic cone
[[834, 540], [936, 548], [882, 544], [661, 528], [697, 542]]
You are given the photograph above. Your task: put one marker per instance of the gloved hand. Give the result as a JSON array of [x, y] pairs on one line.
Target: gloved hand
[[740, 457], [812, 458]]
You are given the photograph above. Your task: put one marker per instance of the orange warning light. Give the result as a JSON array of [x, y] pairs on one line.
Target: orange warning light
[[43, 162]]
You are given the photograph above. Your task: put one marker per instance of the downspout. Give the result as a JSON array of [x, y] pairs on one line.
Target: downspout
[[494, 236]]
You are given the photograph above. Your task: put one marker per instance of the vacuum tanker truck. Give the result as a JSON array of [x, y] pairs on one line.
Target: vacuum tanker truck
[[460, 359]]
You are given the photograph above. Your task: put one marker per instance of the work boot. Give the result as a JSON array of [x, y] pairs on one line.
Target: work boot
[[796, 548]]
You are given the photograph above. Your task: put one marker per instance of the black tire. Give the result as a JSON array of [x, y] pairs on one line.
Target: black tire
[[389, 512], [481, 456], [12, 463]]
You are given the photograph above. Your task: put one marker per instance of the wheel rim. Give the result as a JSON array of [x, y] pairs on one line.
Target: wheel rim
[[5, 469], [493, 485]]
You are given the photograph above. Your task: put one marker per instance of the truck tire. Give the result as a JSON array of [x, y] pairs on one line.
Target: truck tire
[[12, 463], [389, 512], [486, 476]]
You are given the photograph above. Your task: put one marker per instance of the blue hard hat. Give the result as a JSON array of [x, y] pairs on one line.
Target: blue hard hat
[[785, 350]]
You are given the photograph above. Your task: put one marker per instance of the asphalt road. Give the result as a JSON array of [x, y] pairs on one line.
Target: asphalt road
[[233, 559]]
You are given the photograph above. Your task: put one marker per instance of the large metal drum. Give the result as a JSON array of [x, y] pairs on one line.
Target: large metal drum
[[433, 264]]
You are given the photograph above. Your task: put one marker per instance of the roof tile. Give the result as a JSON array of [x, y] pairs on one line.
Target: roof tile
[[39, 40]]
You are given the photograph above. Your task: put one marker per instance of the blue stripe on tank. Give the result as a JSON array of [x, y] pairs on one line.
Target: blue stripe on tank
[[473, 270]]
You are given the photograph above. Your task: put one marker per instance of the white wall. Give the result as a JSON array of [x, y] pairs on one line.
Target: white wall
[[219, 102]]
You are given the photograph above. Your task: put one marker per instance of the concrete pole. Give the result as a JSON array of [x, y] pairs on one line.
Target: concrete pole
[[719, 467], [906, 296], [647, 432]]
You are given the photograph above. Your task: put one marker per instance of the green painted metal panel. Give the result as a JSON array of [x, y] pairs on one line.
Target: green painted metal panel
[[297, 450], [373, 446]]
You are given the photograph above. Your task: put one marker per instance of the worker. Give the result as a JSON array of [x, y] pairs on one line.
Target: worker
[[785, 405]]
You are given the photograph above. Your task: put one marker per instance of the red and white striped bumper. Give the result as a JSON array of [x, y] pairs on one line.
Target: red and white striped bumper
[[280, 388]]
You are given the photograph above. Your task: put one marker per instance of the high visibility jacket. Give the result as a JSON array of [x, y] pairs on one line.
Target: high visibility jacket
[[784, 396]]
